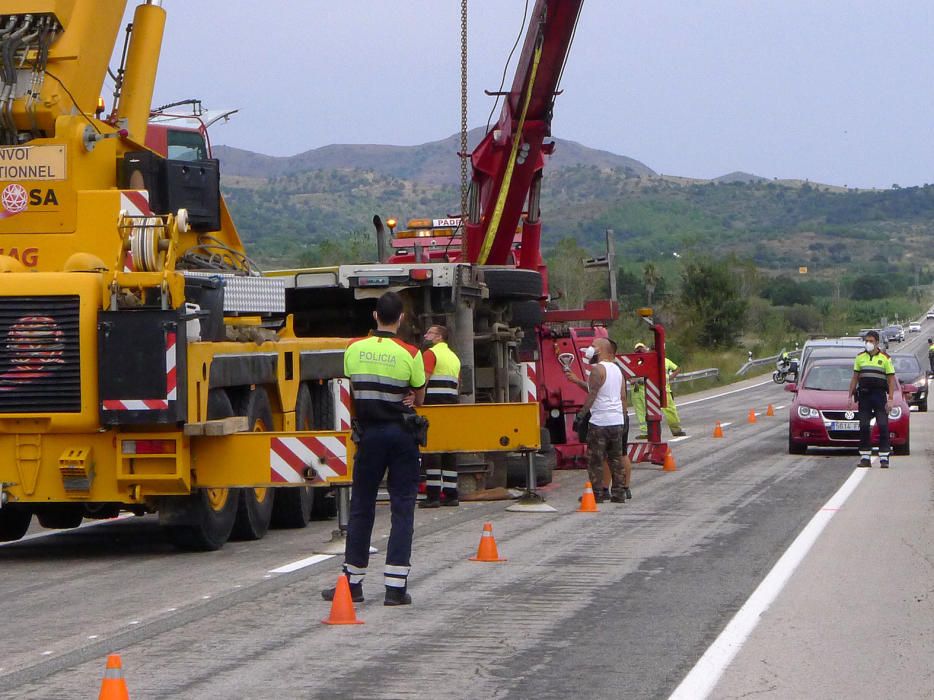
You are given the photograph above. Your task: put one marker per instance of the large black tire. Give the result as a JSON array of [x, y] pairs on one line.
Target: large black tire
[[507, 284], [525, 314], [254, 512], [203, 521], [796, 448], [903, 449], [60, 516], [208, 516], [14, 522], [292, 506], [546, 461]]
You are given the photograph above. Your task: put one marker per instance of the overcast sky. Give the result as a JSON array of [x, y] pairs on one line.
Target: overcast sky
[[831, 90]]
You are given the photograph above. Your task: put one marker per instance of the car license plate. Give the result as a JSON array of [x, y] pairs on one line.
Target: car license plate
[[845, 425]]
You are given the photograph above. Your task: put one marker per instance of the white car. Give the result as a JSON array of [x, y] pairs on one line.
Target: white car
[[930, 314], [914, 327]]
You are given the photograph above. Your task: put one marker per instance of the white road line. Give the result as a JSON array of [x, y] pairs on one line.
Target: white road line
[[702, 679], [51, 533], [723, 425], [779, 408], [677, 439], [725, 393], [301, 564]]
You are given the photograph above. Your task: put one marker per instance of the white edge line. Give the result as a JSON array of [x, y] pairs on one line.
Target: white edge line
[[723, 425], [725, 393], [301, 563], [703, 678], [679, 439], [52, 533]]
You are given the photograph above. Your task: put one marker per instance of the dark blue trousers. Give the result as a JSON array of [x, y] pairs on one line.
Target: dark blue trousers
[[383, 446], [872, 405]]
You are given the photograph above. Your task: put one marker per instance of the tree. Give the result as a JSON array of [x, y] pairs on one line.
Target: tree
[[569, 282], [710, 297]]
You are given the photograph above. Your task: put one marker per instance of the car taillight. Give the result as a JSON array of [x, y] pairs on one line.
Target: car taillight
[[147, 447]]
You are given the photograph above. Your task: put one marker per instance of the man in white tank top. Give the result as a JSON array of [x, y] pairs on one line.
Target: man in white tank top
[[606, 392]]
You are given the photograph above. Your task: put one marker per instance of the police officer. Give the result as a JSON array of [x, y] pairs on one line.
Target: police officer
[[873, 387], [383, 372], [443, 368]]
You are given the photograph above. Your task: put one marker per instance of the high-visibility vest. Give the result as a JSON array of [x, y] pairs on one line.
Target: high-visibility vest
[[443, 368], [382, 370], [873, 370]]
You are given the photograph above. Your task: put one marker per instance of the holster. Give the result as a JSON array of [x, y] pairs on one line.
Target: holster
[[417, 425], [356, 431]]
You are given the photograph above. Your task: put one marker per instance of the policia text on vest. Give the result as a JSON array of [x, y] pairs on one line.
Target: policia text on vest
[[442, 367], [873, 389], [383, 372]]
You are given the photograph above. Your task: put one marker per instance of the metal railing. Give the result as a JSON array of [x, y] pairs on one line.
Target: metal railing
[[696, 374], [762, 361]]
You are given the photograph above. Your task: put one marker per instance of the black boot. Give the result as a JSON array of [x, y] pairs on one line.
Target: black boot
[[397, 596], [356, 593], [429, 503]]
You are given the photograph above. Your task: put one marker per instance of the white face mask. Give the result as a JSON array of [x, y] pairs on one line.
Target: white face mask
[[870, 347], [590, 354]]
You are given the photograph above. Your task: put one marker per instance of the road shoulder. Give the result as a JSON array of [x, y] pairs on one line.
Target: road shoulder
[[857, 618]]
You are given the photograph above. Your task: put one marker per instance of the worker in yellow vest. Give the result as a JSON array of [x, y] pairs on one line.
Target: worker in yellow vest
[[670, 411], [443, 368]]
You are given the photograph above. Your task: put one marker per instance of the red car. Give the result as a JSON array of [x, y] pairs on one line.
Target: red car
[[820, 416]]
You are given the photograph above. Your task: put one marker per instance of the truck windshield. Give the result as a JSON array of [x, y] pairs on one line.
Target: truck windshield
[[186, 145]]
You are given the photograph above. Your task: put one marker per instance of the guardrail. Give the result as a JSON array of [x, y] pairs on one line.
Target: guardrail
[[696, 374], [762, 361]]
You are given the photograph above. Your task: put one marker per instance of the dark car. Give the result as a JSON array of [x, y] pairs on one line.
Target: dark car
[[909, 371], [894, 334], [820, 415]]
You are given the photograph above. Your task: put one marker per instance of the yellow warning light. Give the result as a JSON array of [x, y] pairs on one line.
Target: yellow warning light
[[419, 223], [645, 312], [100, 106], [391, 223]]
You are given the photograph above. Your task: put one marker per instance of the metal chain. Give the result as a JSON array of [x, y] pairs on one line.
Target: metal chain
[[463, 149]]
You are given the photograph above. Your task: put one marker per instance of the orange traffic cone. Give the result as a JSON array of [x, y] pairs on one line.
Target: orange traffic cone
[[113, 687], [718, 431], [588, 502], [487, 549], [669, 465], [770, 411], [342, 610], [752, 416]]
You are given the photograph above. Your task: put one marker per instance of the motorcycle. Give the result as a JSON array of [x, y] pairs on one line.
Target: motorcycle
[[785, 371]]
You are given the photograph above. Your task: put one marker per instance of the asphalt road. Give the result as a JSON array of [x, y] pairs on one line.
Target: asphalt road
[[619, 603]]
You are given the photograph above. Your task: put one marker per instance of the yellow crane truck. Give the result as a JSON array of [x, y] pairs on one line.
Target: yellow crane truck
[[145, 364]]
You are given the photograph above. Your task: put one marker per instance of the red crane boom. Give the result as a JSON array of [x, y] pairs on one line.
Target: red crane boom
[[508, 161]]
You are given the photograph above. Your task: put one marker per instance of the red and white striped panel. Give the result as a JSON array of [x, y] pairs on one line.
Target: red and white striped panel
[[640, 451], [624, 364], [653, 406], [134, 203], [290, 457], [529, 382], [340, 390], [171, 385]]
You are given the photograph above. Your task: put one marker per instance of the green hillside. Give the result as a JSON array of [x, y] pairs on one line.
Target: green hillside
[[722, 257]]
